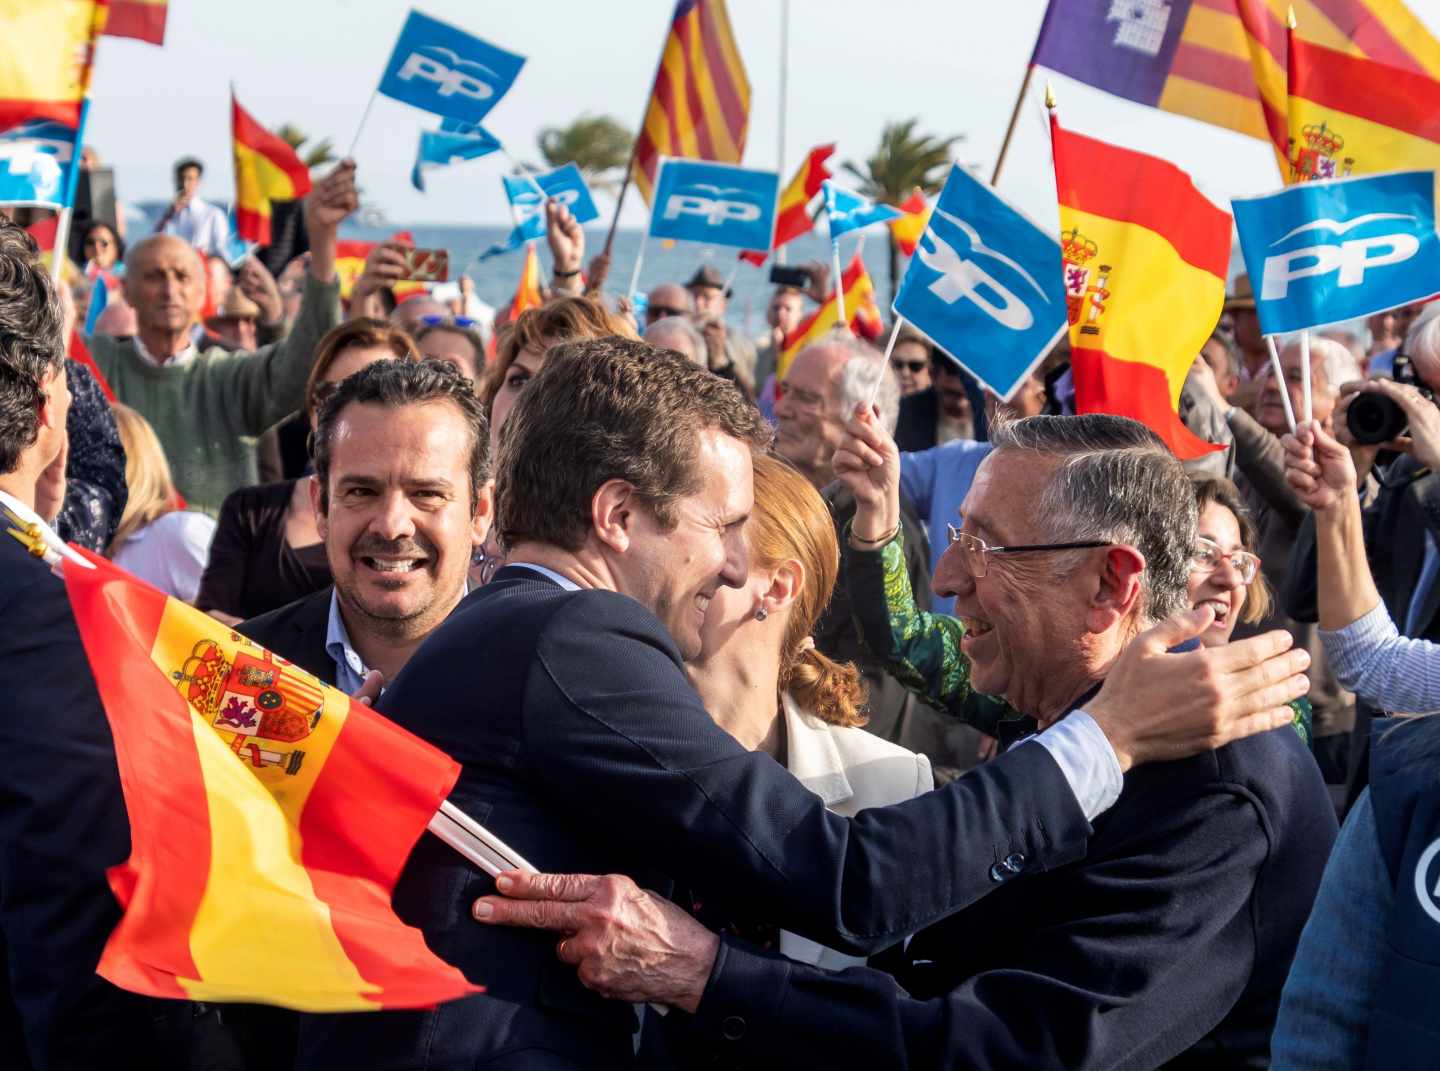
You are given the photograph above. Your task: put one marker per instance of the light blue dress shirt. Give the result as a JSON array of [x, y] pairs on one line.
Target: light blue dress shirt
[[350, 668], [1371, 658]]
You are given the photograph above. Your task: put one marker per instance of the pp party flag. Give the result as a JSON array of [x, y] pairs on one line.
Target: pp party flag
[[700, 103], [849, 211], [37, 160], [1350, 115], [984, 285], [528, 294], [45, 65], [269, 815], [1328, 251], [914, 218], [1145, 257], [564, 185], [859, 293], [266, 169], [144, 20], [716, 204], [442, 69], [440, 148]]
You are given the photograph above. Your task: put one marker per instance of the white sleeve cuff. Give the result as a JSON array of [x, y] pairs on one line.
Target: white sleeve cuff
[[1087, 760]]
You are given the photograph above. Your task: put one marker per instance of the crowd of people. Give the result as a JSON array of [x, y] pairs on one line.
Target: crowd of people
[[858, 719]]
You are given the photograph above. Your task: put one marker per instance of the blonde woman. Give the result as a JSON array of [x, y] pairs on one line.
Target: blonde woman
[[157, 541]]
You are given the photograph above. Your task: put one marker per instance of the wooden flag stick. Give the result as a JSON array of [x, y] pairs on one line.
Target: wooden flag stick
[[1279, 375], [1010, 129]]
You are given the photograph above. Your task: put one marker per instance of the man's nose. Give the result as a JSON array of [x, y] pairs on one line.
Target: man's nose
[[736, 570], [951, 577], [393, 518]]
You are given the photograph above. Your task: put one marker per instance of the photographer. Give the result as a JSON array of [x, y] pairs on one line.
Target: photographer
[[1400, 522]]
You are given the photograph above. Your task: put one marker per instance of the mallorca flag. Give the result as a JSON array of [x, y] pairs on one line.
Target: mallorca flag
[[860, 308], [909, 227], [528, 294], [700, 105], [792, 213], [1353, 116], [269, 816], [266, 169], [144, 20], [1145, 255], [47, 55]]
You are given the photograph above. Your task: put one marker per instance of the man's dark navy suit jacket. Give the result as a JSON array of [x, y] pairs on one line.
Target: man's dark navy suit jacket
[[585, 749]]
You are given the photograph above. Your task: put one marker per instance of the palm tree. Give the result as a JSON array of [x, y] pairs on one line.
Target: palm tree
[[597, 144], [318, 154], [903, 161]]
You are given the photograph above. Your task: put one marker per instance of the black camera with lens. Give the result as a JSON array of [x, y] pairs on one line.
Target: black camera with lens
[[1374, 418]]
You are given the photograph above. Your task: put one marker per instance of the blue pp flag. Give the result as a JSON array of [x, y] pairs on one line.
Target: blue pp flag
[[718, 204], [1324, 252], [444, 70], [564, 185], [36, 160], [985, 285], [439, 148], [849, 211], [99, 298]]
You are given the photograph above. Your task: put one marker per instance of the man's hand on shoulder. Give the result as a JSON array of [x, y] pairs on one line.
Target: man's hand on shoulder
[[627, 943], [1157, 706]]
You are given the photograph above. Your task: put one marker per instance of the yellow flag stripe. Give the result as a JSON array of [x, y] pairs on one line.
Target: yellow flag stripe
[[1216, 30], [47, 49], [1369, 146], [1211, 105]]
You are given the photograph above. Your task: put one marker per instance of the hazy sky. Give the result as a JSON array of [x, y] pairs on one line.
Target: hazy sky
[[853, 66]]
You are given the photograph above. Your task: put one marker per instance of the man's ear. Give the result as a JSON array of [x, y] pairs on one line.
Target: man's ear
[[1117, 587], [484, 515], [49, 414], [613, 514], [321, 521]]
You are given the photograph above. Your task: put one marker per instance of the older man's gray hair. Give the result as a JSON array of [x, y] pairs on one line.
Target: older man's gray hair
[[1337, 363], [1118, 482], [679, 334], [857, 379]]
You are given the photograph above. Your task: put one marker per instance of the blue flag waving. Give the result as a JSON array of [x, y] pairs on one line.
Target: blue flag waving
[[36, 160], [444, 70], [985, 285], [564, 185], [849, 211], [439, 148], [718, 204], [1328, 251]]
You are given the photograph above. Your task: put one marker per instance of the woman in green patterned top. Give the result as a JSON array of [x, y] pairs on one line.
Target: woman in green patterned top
[[922, 650]]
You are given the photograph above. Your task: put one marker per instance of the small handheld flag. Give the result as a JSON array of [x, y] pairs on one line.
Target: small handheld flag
[[37, 158], [442, 69], [266, 169], [716, 204], [908, 228], [565, 185], [440, 148], [849, 211]]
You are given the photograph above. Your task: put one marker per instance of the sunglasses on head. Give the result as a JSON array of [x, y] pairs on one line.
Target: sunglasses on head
[[449, 321]]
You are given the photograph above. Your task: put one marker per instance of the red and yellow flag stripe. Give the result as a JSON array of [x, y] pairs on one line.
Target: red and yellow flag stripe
[[860, 309], [1145, 257], [528, 294], [700, 104], [144, 20], [266, 169], [47, 52], [909, 227], [269, 816]]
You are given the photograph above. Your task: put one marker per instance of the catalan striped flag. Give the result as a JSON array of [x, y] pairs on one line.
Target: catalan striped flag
[[860, 307], [1353, 116], [269, 816], [144, 20], [1219, 61], [266, 169], [700, 105], [47, 51], [1144, 261], [528, 294], [910, 226]]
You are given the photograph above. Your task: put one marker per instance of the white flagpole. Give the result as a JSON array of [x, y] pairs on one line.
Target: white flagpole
[[730, 279], [635, 275], [1305, 401], [839, 283], [784, 99], [885, 361], [62, 239], [363, 116], [1279, 375]]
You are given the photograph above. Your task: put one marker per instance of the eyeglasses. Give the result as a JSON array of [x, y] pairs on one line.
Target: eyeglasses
[[913, 367], [449, 321], [659, 312], [974, 550], [1208, 556]]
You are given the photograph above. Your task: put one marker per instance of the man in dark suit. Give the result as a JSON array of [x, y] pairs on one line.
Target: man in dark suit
[[623, 485], [1170, 939], [62, 815]]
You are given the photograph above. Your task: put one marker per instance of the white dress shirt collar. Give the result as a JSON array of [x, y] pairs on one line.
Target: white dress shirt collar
[[185, 356]]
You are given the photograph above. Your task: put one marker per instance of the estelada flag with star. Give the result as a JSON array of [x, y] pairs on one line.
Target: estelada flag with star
[[1144, 258], [269, 815]]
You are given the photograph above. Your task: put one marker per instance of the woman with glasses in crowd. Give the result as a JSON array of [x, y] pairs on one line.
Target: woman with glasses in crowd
[[922, 650]]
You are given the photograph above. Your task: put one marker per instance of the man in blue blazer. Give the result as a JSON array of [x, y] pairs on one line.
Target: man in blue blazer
[[62, 816], [624, 482]]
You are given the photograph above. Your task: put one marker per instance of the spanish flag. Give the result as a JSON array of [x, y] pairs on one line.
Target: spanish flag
[[700, 104], [792, 213], [269, 816], [1145, 255], [1353, 116], [47, 51], [909, 227], [144, 20], [528, 295], [860, 308], [266, 169]]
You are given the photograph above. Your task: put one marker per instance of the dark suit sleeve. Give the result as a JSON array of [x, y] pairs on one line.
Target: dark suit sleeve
[[222, 585], [620, 738], [62, 824], [1104, 988]]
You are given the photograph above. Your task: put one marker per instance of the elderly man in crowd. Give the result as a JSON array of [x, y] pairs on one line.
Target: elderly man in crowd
[[707, 288], [1169, 939], [206, 406], [623, 487], [667, 299], [679, 334]]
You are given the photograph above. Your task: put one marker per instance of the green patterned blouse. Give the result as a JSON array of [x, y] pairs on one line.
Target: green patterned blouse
[[922, 650]]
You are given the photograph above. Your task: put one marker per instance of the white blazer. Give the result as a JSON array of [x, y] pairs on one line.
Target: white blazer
[[850, 770]]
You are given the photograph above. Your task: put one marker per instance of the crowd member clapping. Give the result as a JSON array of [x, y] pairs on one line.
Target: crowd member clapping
[[267, 551], [157, 540]]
